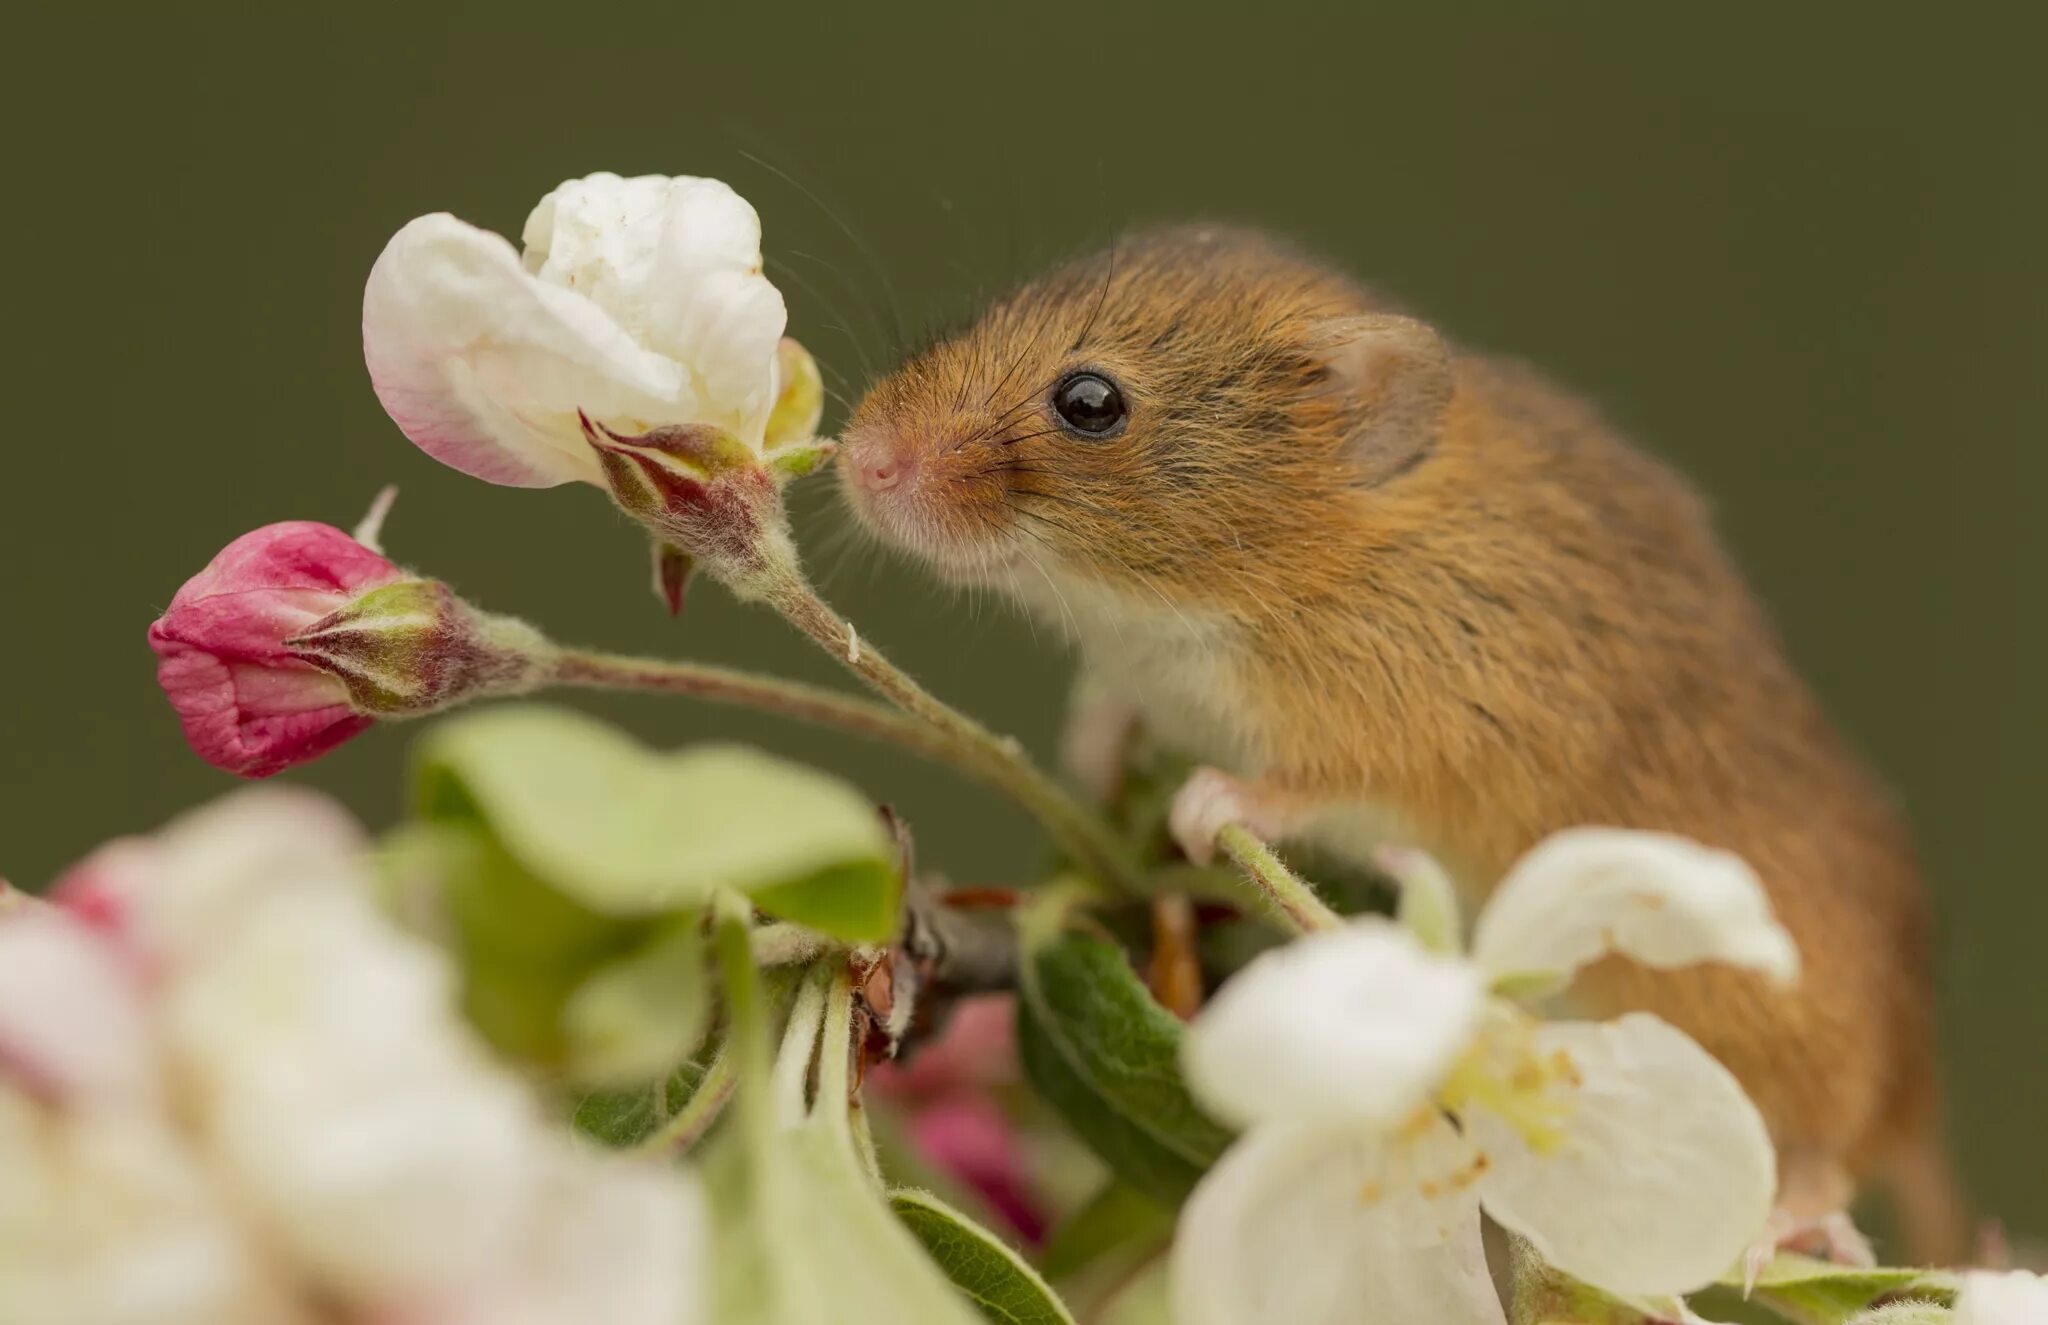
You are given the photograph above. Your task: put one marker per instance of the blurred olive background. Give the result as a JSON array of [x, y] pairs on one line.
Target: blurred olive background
[[1796, 249]]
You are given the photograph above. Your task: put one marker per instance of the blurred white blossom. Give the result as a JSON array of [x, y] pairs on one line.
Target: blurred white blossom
[[2012, 1298], [1390, 1091], [231, 1091]]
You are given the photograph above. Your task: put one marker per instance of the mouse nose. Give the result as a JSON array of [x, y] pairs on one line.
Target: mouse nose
[[878, 467]]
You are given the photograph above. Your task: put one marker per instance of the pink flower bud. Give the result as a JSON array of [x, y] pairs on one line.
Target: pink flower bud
[[249, 704], [297, 637]]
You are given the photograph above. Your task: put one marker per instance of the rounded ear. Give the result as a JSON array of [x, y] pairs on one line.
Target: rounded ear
[[1392, 377]]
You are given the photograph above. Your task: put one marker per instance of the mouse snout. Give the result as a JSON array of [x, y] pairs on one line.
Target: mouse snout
[[878, 463]]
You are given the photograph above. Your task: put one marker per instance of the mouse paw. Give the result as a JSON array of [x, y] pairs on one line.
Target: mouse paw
[[1831, 1237], [1208, 800], [1096, 743], [1211, 798]]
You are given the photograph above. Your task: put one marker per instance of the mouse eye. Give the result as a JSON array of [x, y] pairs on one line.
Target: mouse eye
[[1089, 404]]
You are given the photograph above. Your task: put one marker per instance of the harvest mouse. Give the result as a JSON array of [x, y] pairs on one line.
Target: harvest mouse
[[1389, 590]]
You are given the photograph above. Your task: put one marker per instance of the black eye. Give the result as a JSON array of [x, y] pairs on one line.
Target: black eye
[[1090, 405]]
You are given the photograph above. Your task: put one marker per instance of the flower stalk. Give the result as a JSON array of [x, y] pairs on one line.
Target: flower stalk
[[998, 759], [1289, 894], [702, 1109]]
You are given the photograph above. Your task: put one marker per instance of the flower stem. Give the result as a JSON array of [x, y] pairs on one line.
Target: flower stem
[[955, 741], [1294, 899], [746, 1037], [997, 759], [835, 1054], [694, 1119]]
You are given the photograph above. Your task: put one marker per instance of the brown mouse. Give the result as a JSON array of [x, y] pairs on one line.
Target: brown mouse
[[1392, 590]]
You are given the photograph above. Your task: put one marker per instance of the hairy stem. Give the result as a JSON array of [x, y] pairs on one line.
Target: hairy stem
[[694, 1119], [1081, 831], [1297, 903]]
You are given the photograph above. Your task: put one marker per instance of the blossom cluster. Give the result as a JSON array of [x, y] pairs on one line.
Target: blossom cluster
[[233, 1093]]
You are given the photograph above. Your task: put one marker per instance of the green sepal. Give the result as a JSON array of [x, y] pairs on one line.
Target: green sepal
[[799, 459], [1816, 1292]]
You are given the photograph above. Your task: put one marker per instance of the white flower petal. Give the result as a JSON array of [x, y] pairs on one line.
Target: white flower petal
[[677, 263], [610, 1239], [1332, 1226], [1356, 1024], [484, 367], [1665, 1175], [216, 864], [2012, 1298], [106, 1218], [354, 1109], [71, 1020], [1664, 900]]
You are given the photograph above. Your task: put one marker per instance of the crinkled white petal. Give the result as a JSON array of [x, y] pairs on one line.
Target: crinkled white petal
[[484, 367], [1663, 900], [2012, 1298], [677, 263], [71, 1020], [1665, 1175], [353, 1108], [1322, 1225], [611, 1240], [107, 1218], [1356, 1024]]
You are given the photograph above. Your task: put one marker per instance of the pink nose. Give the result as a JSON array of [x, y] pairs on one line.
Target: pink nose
[[880, 468]]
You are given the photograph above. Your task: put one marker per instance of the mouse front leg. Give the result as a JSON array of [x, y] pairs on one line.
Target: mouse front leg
[[1095, 745], [1212, 798]]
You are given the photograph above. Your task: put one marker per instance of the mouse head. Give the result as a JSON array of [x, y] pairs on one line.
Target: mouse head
[[1180, 413]]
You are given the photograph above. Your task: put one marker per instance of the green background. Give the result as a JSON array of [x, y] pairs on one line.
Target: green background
[[1797, 249]]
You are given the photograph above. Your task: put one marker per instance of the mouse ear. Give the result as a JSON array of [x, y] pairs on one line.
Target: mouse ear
[[1391, 377]]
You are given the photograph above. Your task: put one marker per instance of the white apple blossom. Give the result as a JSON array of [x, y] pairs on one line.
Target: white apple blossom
[[1390, 1093], [639, 303], [2015, 1297], [231, 1091]]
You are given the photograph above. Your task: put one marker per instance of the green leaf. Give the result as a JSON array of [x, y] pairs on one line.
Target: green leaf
[[1822, 1293], [625, 1117], [523, 948], [624, 831], [637, 1017], [1105, 1055], [1003, 1288]]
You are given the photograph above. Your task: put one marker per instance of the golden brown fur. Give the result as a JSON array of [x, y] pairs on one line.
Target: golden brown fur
[[1518, 624]]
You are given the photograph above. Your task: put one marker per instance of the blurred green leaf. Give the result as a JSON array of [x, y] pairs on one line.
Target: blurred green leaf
[[1105, 1055], [522, 947], [802, 1234], [625, 831], [1002, 1287], [637, 1017]]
